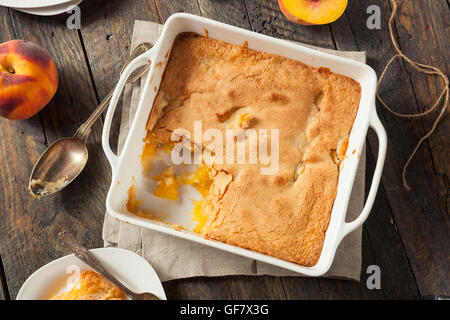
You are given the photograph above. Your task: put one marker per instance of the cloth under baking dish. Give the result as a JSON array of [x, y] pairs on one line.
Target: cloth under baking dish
[[175, 258]]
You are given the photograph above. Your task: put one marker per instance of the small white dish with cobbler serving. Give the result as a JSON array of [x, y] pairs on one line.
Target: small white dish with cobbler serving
[[55, 277]]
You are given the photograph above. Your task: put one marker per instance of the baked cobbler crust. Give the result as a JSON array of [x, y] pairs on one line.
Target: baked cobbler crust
[[284, 215], [91, 286]]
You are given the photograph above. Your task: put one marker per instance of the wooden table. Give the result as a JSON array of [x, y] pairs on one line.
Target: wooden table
[[407, 233]]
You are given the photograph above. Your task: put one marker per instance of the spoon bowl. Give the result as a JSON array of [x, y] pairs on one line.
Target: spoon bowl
[[58, 166]]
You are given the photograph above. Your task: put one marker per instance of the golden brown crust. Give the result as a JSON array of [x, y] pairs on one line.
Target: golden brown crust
[[91, 286], [284, 215]]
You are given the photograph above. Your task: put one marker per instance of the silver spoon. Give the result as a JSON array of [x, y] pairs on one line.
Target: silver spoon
[[64, 160], [66, 239]]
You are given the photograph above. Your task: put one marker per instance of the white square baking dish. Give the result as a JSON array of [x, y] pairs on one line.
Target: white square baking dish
[[126, 166]]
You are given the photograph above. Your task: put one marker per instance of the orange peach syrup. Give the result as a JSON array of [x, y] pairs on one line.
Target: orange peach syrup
[[200, 179], [198, 215], [132, 203], [151, 149], [168, 183], [148, 154], [134, 206]]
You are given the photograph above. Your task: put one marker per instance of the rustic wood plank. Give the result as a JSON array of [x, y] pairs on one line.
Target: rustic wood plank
[[200, 288], [167, 8], [351, 290], [6, 25], [302, 288], [72, 105], [256, 287], [388, 250], [423, 34], [389, 254], [27, 236], [231, 12], [266, 18], [421, 39], [4, 293], [106, 30], [21, 143], [420, 215]]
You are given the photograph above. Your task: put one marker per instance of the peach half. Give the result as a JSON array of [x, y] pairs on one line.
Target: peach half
[[312, 12]]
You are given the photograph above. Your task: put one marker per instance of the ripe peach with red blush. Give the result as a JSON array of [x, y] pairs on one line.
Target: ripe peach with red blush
[[28, 79]]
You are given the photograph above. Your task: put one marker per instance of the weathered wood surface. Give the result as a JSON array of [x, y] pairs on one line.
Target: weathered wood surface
[[28, 224], [421, 215], [407, 232]]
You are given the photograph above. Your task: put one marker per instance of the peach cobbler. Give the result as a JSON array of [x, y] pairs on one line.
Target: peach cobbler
[[284, 214], [91, 286]]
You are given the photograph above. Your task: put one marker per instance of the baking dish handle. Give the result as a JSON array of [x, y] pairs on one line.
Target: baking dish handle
[[135, 64], [376, 125]]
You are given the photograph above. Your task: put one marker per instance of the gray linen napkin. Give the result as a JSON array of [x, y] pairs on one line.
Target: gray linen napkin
[[175, 258]]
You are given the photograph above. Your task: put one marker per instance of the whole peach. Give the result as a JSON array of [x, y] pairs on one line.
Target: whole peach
[[28, 79]]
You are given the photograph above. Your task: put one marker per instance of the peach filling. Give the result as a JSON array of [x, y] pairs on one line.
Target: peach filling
[[168, 183]]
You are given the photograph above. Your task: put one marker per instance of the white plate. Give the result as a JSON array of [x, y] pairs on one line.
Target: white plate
[[51, 10], [31, 3], [129, 268]]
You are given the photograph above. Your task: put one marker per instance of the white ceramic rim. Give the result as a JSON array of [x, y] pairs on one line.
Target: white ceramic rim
[[366, 116], [31, 3], [51, 10]]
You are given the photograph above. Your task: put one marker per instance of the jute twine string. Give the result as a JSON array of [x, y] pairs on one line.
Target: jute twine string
[[423, 68]]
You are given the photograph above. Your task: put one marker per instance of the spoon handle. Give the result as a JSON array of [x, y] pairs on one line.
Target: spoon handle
[[85, 129], [66, 239]]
